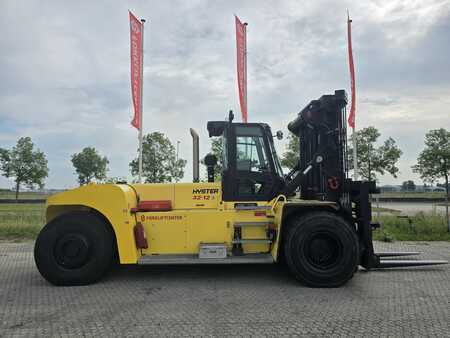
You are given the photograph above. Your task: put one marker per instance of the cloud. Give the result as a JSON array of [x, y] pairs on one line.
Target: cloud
[[65, 71]]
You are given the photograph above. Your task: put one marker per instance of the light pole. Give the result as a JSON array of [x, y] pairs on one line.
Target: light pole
[[445, 170], [368, 161], [178, 148]]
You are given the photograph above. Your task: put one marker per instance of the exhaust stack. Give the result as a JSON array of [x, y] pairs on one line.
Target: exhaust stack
[[196, 160]]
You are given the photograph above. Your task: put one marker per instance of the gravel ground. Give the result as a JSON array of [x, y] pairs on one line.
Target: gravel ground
[[226, 301]]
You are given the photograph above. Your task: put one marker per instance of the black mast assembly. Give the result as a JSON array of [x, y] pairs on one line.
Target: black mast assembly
[[322, 174]]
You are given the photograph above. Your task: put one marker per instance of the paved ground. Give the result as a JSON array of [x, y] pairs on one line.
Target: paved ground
[[225, 301]]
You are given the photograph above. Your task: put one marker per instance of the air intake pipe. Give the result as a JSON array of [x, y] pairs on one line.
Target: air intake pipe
[[196, 160]]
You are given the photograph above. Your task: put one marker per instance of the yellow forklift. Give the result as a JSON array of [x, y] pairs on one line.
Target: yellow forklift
[[315, 218]]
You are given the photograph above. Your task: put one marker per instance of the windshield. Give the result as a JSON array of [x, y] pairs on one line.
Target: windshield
[[250, 151]]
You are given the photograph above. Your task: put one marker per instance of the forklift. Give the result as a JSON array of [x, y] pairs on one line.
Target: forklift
[[315, 219]]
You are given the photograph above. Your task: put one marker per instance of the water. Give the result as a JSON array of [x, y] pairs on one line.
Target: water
[[412, 208]]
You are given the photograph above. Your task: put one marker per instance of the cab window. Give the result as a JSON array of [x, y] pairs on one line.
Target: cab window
[[250, 151], [225, 150]]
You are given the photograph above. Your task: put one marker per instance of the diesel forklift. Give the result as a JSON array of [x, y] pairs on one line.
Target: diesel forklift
[[315, 218]]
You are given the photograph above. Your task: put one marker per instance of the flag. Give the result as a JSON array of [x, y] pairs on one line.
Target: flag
[[241, 47], [136, 69], [351, 117]]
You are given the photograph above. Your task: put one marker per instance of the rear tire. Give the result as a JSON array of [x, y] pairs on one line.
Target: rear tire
[[321, 249], [74, 249]]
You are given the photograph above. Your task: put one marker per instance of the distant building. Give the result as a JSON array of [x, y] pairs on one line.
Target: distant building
[[390, 188], [428, 188]]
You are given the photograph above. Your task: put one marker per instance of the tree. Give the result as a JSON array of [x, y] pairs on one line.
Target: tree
[[89, 165], [408, 186], [217, 150], [290, 158], [371, 159], [25, 165], [433, 162], [159, 160], [442, 185], [115, 179]]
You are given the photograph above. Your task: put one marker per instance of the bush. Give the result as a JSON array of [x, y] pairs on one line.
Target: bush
[[421, 227]]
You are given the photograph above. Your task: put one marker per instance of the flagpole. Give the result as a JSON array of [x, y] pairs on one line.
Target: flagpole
[[355, 154], [141, 103], [352, 117], [245, 68]]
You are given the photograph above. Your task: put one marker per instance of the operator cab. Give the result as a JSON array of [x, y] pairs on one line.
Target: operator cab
[[251, 168]]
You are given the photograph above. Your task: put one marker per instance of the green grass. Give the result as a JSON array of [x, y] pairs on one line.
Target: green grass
[[423, 227], [21, 221], [7, 194], [412, 194]]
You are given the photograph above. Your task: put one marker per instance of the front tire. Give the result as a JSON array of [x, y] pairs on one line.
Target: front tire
[[321, 249], [74, 249]]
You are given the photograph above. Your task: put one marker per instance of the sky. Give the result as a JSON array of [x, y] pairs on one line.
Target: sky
[[65, 72]]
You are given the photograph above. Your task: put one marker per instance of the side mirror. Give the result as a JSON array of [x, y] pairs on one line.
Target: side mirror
[[279, 135]]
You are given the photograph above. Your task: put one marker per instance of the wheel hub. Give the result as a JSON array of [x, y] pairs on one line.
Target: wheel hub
[[323, 250], [72, 251]]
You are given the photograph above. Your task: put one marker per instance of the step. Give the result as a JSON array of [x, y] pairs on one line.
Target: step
[[193, 259], [251, 224], [247, 207], [252, 241]]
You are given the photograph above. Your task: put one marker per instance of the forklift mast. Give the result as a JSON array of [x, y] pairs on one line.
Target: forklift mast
[[321, 129], [251, 170], [322, 171]]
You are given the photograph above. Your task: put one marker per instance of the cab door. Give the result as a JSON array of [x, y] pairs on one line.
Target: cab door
[[249, 171]]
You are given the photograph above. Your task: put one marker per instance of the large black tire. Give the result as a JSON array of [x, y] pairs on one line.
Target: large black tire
[[321, 249], [76, 248]]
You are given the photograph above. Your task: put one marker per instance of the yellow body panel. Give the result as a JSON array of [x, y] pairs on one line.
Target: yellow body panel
[[198, 216], [112, 201], [155, 191], [183, 195], [197, 195], [178, 232], [166, 232]]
